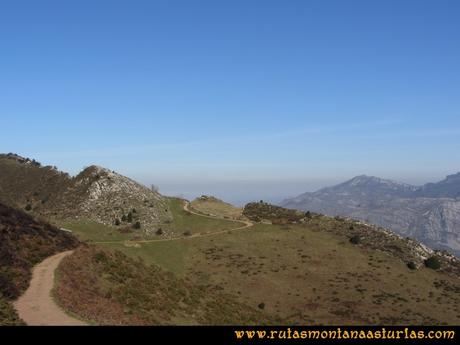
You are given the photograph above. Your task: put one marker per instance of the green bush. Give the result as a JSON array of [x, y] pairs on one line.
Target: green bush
[[124, 218], [412, 266], [159, 231], [137, 225], [433, 263], [117, 222], [130, 217], [355, 239]]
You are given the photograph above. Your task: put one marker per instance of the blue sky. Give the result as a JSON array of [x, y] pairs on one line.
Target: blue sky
[[243, 99]]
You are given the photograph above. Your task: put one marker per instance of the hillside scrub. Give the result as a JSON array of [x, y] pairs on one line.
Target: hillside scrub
[[257, 211], [8, 316], [114, 289], [24, 242]]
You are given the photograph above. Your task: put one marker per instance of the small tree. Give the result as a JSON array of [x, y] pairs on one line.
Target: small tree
[[130, 217], [355, 239], [412, 266], [137, 225], [159, 231], [117, 222], [123, 218], [308, 214], [433, 263], [28, 207], [261, 306]]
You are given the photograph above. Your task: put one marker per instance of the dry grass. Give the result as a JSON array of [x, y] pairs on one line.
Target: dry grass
[[209, 205], [114, 289]]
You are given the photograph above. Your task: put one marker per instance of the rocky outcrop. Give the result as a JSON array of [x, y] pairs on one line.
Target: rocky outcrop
[[107, 197], [96, 194], [405, 209]]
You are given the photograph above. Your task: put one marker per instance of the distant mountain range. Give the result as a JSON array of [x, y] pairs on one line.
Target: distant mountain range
[[429, 213]]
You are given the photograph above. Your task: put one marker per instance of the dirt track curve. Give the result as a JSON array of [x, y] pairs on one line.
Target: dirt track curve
[[247, 224], [36, 306]]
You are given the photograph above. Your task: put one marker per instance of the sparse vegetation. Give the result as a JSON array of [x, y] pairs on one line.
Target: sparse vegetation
[[118, 290], [433, 263], [278, 215], [8, 316]]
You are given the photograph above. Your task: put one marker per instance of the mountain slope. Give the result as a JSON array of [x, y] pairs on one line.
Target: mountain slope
[[115, 289], [408, 210], [447, 188], [24, 241], [106, 197], [95, 194]]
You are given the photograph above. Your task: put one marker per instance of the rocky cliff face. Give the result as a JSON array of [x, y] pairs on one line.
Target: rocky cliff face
[[428, 213]]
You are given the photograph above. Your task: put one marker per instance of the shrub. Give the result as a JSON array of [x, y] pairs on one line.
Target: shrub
[[308, 214], [159, 231], [28, 207], [188, 233], [355, 239], [130, 217], [137, 225], [261, 306], [412, 266], [117, 222], [100, 257], [433, 263], [123, 218]]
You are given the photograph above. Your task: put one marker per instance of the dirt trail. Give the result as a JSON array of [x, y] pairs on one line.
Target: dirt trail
[[36, 306], [247, 224]]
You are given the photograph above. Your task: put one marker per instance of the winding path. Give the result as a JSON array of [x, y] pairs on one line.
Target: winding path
[[36, 306], [247, 224]]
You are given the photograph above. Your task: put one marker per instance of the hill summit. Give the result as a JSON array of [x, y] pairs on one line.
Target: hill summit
[[96, 194]]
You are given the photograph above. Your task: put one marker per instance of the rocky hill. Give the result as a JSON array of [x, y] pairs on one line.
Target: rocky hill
[[95, 194], [430, 213]]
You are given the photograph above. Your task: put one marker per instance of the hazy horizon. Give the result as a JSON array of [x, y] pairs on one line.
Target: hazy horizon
[[240, 191], [279, 96]]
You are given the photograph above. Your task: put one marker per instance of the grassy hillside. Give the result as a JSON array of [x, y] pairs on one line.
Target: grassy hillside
[[96, 194], [209, 205], [320, 271], [183, 224], [25, 184], [114, 289], [262, 211], [24, 242]]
